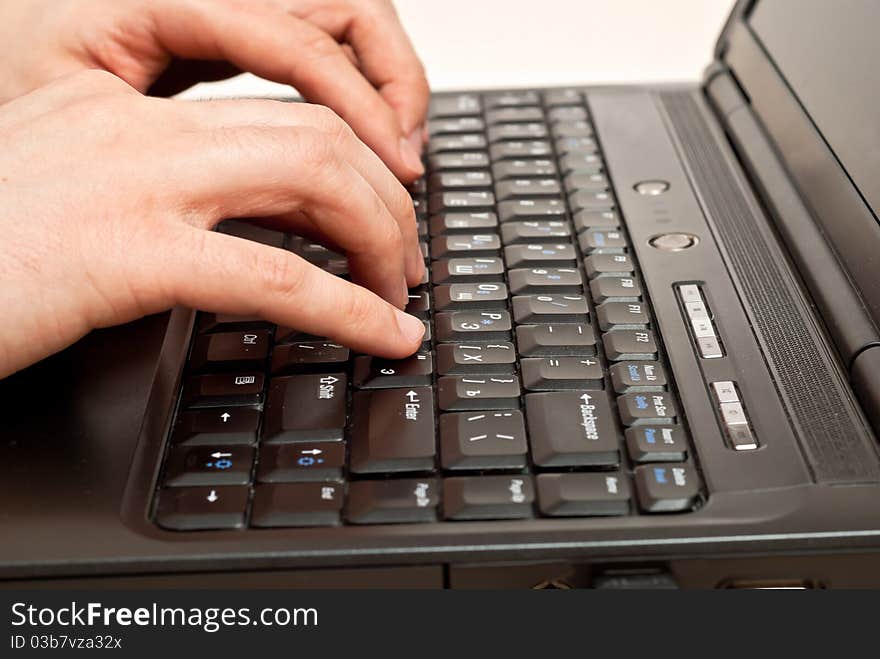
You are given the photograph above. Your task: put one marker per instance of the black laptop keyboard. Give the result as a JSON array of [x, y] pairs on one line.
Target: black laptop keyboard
[[541, 389]]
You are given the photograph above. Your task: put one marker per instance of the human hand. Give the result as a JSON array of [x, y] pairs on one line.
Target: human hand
[[351, 55], [107, 199]]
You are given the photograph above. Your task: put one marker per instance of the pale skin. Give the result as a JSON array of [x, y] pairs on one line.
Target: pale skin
[[108, 196]]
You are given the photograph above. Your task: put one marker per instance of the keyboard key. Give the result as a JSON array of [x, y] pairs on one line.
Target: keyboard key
[[378, 373], [522, 149], [614, 265], [488, 497], [519, 169], [531, 209], [305, 408], [561, 97], [459, 105], [622, 315], [534, 231], [442, 201], [567, 113], [530, 309], [419, 304], [304, 462], [615, 289], [466, 270], [308, 357], [654, 408], [583, 495], [453, 126], [517, 131], [575, 146], [667, 488], [297, 504], [473, 326], [606, 219], [202, 508], [556, 340], [236, 425], [483, 440], [467, 245], [463, 358], [223, 390], [224, 322], [512, 99], [629, 377], [448, 161], [572, 429], [209, 465], [574, 182], [555, 373], [580, 163], [514, 115], [460, 180], [478, 392], [392, 430], [464, 297], [578, 128], [528, 188], [602, 241], [656, 443], [230, 350], [475, 222], [460, 142], [404, 501], [622, 345], [540, 255], [534, 281]]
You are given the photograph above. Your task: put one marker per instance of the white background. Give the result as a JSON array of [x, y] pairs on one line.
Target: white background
[[512, 43]]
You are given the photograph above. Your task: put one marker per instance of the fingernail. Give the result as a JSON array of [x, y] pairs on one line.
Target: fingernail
[[411, 327], [411, 154]]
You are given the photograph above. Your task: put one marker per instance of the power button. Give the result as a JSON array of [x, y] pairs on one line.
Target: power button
[[651, 188]]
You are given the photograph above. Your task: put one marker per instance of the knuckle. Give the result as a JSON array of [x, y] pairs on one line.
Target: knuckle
[[358, 310], [320, 45], [279, 272]]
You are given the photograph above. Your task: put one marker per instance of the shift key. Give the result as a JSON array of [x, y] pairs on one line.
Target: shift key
[[306, 408], [392, 430]]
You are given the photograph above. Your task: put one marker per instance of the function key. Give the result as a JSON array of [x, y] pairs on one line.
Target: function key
[[656, 443], [512, 99], [607, 219], [540, 254], [453, 126], [637, 408], [399, 501], [483, 440], [590, 200], [230, 350], [488, 497], [516, 169], [528, 187], [572, 129], [202, 508], [577, 146], [223, 389], [473, 326], [629, 377], [471, 245], [580, 163], [460, 180], [560, 97], [515, 115], [461, 358], [615, 289], [521, 149], [463, 222], [460, 105], [574, 182], [622, 345], [555, 373], [564, 339], [377, 373], [305, 462], [392, 430], [615, 265], [622, 315], [235, 425], [308, 356], [487, 268], [531, 209], [567, 113], [667, 488], [306, 408], [545, 280], [478, 392], [297, 504], [583, 495], [451, 161], [550, 308], [534, 231], [505, 132], [209, 465], [572, 429]]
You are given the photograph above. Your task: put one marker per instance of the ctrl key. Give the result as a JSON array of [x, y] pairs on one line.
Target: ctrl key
[[668, 488], [202, 508]]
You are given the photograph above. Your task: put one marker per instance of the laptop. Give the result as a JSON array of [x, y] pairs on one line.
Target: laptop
[[652, 359]]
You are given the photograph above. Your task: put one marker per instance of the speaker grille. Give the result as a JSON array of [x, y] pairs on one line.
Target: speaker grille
[[831, 430]]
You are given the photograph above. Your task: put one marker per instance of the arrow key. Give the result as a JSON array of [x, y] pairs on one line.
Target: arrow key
[[303, 462], [201, 508], [209, 465], [233, 425]]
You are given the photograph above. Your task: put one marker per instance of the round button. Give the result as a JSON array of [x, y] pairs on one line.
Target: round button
[[651, 188], [673, 242]]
